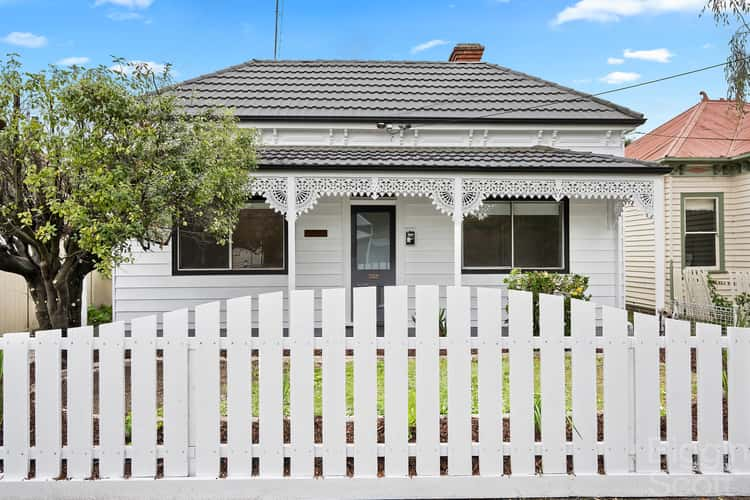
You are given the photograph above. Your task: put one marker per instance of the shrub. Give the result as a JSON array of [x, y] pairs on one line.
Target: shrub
[[570, 286], [99, 314]]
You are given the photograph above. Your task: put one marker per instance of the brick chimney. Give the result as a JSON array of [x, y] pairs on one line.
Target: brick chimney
[[467, 52]]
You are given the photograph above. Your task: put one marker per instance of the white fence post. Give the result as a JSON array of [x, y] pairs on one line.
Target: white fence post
[[175, 383], [143, 398], [521, 360], [239, 388], [647, 397], [709, 367], [365, 383], [489, 303], [112, 400], [617, 383], [16, 406], [396, 382], [80, 402], [679, 393], [206, 370], [48, 405], [270, 372], [459, 381], [428, 391], [738, 397], [552, 377], [334, 384], [583, 358], [301, 383]]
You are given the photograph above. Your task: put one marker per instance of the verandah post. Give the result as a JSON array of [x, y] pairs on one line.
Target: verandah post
[[659, 245], [291, 218], [458, 219]]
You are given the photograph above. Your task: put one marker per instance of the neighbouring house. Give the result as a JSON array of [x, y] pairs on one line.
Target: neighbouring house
[[375, 173], [707, 199]]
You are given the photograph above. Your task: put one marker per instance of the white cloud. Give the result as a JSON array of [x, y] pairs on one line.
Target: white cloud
[[25, 39], [654, 55], [581, 81], [708, 45], [71, 61], [428, 45], [127, 68], [615, 60], [125, 16], [614, 10], [618, 77], [130, 4]]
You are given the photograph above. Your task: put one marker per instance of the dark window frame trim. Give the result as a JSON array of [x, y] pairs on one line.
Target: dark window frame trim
[[176, 271], [565, 206], [719, 197]]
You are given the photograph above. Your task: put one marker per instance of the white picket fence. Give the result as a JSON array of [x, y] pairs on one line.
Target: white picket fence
[[141, 373]]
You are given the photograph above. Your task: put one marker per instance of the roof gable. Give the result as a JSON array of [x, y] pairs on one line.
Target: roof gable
[[393, 90]]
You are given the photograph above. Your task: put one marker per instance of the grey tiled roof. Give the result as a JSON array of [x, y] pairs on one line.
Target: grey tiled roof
[[388, 90], [505, 159]]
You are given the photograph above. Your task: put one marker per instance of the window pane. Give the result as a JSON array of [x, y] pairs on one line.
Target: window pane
[[258, 240], [373, 241], [700, 215], [199, 250], [700, 250], [487, 241], [538, 235]]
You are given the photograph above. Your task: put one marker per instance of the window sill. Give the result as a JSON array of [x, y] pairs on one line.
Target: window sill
[[226, 272]]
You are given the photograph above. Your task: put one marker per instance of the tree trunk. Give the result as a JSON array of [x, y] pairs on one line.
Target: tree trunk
[[57, 304]]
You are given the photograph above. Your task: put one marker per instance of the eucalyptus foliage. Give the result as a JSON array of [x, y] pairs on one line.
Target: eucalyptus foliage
[[737, 69], [95, 161]]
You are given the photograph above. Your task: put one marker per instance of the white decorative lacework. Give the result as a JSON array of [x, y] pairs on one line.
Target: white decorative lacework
[[638, 193], [273, 189], [440, 190]]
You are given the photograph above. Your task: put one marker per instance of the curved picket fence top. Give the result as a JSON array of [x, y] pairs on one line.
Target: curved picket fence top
[[548, 404]]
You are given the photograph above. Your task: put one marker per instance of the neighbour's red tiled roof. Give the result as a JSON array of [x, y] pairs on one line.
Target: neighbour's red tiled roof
[[710, 129]]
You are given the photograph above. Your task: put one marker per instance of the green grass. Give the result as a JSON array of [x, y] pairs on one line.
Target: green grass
[[412, 393]]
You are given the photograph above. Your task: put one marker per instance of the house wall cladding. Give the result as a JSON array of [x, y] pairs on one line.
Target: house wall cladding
[[639, 234], [147, 286]]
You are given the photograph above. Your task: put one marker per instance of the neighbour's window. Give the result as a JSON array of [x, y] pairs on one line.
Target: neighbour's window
[[702, 232], [510, 234], [257, 244]]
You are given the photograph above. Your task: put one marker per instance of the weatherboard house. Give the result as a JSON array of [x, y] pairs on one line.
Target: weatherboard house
[[377, 173]]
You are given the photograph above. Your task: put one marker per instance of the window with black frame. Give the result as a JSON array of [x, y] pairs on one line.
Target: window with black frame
[[515, 234], [257, 245]]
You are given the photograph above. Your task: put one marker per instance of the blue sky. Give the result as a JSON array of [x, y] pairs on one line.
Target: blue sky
[[591, 45]]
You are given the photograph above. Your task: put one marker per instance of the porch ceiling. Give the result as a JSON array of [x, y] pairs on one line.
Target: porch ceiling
[[537, 159]]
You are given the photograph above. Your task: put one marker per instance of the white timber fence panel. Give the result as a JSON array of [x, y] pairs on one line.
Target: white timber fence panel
[[550, 403]]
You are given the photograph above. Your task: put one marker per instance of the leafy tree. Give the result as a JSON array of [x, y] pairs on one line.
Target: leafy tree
[[737, 69], [93, 161]]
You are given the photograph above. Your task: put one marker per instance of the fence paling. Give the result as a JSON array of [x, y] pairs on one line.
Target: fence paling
[[80, 402], [709, 365], [365, 383], [192, 388], [647, 404], [490, 382], [521, 360], [617, 426], [143, 398], [112, 400], [176, 377], [48, 405], [271, 433], [301, 383], [679, 392], [395, 389], [428, 392], [583, 360]]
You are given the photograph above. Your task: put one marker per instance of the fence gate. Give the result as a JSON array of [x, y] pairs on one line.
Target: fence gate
[[519, 398]]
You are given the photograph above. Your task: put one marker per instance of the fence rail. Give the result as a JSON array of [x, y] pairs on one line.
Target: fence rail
[[565, 412]]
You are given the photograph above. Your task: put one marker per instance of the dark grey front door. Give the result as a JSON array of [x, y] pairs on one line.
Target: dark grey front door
[[374, 249]]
